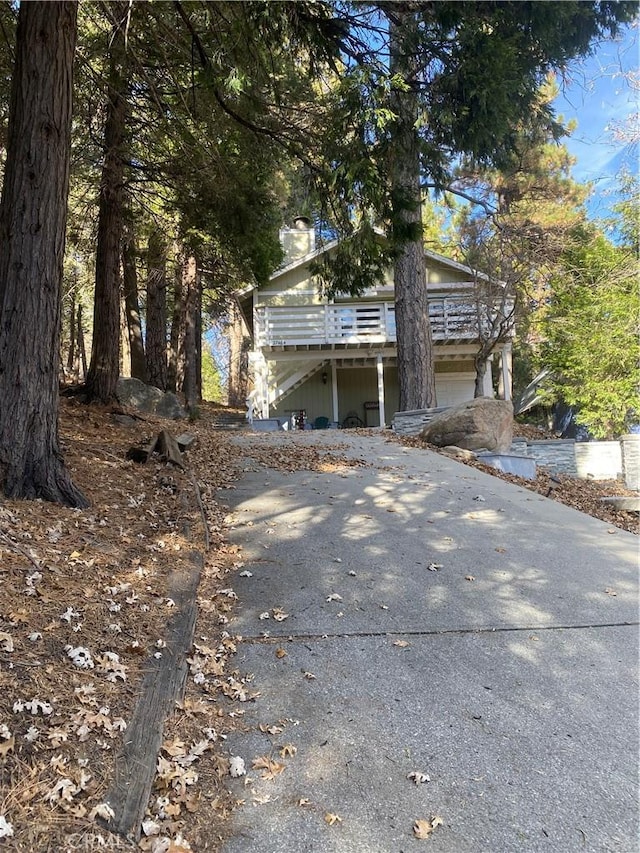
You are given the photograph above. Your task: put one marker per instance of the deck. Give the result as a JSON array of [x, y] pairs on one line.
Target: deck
[[367, 323]]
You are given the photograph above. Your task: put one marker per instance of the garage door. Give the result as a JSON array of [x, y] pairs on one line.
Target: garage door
[[450, 391]]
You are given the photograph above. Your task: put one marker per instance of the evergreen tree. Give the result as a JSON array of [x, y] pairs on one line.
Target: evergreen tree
[[32, 232], [468, 73], [513, 236], [591, 331]]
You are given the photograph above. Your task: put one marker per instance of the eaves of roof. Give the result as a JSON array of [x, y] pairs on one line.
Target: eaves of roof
[[326, 247]]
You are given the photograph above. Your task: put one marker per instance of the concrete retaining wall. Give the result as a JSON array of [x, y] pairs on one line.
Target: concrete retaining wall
[[631, 460], [599, 460]]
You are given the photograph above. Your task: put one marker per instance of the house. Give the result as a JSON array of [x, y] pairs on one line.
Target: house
[[336, 359]]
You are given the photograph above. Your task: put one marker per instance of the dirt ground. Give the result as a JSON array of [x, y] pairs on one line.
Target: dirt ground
[[86, 602]]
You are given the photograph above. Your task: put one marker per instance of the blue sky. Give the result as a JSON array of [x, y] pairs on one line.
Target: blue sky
[[598, 95]]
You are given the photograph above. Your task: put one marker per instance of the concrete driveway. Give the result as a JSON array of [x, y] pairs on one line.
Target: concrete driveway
[[438, 621]]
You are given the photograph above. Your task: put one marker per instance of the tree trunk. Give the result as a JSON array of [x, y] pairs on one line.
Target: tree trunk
[[238, 380], [156, 348], [103, 368], [81, 347], [481, 369], [176, 354], [199, 342], [132, 305], [189, 349], [32, 233], [71, 355], [124, 361], [416, 375]]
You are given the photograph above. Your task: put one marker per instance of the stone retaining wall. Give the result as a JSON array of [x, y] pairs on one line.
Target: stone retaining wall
[[597, 460], [412, 423], [589, 460], [558, 455]]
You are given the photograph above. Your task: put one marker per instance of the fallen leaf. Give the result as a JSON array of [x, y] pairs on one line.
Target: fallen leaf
[[501, 550], [179, 846], [401, 643], [175, 747], [236, 767], [7, 746], [102, 810], [418, 777], [270, 768], [260, 799], [271, 730], [150, 827], [281, 653], [424, 828], [288, 750], [6, 641], [77, 810], [303, 801], [331, 818]]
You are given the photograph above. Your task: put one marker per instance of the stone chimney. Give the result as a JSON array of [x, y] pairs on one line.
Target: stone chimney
[[299, 240]]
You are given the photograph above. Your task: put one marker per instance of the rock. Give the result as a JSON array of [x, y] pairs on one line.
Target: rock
[[458, 452], [169, 407], [124, 420], [135, 394], [185, 441], [480, 423], [145, 398]]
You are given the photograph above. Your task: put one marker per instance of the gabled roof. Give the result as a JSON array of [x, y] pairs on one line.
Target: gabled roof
[[327, 247], [448, 262], [305, 259]]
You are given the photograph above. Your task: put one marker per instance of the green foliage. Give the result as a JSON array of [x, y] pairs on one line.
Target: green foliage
[[211, 381], [627, 209], [475, 74], [591, 335], [354, 264]]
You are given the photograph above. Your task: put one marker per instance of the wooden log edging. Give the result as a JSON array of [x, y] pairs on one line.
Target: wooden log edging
[[162, 687]]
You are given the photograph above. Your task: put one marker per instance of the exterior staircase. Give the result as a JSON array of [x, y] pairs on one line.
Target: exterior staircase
[[297, 373], [228, 420]]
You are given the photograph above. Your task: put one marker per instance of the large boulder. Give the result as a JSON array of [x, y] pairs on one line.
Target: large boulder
[[145, 398], [480, 423]]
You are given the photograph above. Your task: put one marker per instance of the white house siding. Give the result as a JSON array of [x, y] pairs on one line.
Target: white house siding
[[294, 287], [316, 335], [313, 397], [359, 385]]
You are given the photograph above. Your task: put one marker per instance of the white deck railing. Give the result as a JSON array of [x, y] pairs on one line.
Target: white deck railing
[[371, 322]]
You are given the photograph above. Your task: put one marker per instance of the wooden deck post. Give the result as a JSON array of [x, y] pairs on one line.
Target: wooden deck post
[[334, 391], [506, 372], [380, 371]]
